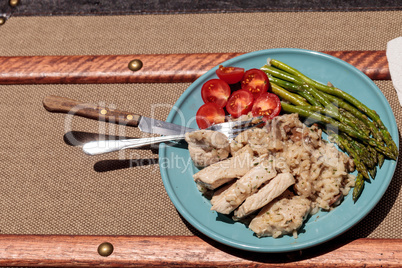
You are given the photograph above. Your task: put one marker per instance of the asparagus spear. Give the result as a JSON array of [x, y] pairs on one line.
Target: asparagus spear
[[334, 114], [368, 159], [363, 118], [359, 124], [339, 93], [330, 98], [359, 185], [342, 127], [356, 158], [294, 88], [357, 117], [282, 75], [289, 96], [373, 172], [320, 97], [342, 104], [290, 82], [380, 159]]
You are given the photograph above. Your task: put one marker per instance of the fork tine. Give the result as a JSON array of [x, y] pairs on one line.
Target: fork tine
[[231, 134], [232, 128], [233, 124], [238, 130], [238, 123]]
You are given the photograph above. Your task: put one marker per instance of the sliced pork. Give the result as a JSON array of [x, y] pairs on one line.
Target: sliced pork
[[266, 194], [207, 147], [224, 171], [284, 215], [250, 183]]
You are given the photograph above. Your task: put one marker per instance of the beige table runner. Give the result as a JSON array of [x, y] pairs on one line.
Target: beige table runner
[[48, 186]]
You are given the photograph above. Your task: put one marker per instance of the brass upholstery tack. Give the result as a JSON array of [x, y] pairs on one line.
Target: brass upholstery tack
[[13, 3], [135, 65], [105, 249]]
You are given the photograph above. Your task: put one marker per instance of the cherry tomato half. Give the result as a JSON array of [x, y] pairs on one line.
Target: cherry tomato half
[[208, 114], [217, 91], [230, 75], [240, 103], [255, 81], [267, 105]]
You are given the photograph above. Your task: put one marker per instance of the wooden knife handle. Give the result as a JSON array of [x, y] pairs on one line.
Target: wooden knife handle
[[56, 104], [157, 68]]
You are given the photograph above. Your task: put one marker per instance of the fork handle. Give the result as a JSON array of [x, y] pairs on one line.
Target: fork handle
[[108, 146]]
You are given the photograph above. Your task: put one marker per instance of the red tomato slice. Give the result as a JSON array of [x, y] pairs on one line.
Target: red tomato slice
[[267, 105], [217, 91], [240, 103], [255, 81], [230, 75], [208, 114]]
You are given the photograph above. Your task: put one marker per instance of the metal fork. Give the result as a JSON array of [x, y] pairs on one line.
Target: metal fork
[[231, 129]]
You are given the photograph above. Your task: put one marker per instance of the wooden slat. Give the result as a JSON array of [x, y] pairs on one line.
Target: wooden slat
[[131, 251], [157, 68]]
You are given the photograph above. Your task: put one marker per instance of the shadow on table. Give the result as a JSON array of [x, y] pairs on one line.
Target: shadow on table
[[286, 257], [118, 164], [78, 138]]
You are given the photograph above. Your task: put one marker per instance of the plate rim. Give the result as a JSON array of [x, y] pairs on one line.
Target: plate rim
[[210, 233]]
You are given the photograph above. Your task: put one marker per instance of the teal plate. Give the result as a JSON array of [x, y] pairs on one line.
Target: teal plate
[[177, 169]]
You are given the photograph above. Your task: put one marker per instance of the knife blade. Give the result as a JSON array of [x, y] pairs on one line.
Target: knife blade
[[155, 126], [57, 104]]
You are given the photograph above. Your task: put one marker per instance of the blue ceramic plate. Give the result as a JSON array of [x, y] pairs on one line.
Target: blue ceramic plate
[[177, 168]]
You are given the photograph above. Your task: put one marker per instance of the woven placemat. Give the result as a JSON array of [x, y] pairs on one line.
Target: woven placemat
[[49, 186]]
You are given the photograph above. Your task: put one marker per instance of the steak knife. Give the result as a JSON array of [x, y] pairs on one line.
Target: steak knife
[[57, 104]]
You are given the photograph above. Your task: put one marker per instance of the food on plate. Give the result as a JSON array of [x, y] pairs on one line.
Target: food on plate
[[265, 195], [240, 103], [222, 172], [207, 147], [230, 75], [256, 138], [267, 105], [255, 81], [245, 186], [274, 177], [208, 114], [216, 91], [320, 169], [283, 216], [286, 154], [238, 98], [355, 128]]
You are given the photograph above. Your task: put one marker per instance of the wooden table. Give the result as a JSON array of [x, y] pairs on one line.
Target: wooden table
[[62, 250]]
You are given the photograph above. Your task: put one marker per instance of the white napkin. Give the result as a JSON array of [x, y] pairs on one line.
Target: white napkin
[[394, 57]]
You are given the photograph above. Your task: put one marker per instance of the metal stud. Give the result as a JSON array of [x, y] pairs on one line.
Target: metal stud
[[105, 249], [2, 20], [13, 3], [135, 65]]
